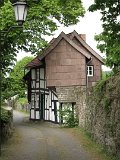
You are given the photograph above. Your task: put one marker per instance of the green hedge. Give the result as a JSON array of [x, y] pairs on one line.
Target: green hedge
[[5, 115], [6, 123]]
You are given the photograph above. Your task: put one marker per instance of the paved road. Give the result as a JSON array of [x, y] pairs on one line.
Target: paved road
[[41, 141]]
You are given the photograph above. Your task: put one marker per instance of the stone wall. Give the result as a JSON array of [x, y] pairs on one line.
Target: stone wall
[[99, 114], [104, 123], [70, 93], [74, 94], [99, 111]]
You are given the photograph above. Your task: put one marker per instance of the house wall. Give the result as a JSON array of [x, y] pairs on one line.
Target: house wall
[[65, 66], [95, 62], [37, 91], [97, 72]]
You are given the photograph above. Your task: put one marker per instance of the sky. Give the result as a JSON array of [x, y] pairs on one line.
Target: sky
[[90, 25]]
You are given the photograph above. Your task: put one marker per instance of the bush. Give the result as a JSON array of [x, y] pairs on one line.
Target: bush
[[5, 116], [69, 116], [6, 124], [22, 101]]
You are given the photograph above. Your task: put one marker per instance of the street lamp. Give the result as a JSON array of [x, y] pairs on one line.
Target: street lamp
[[20, 9]]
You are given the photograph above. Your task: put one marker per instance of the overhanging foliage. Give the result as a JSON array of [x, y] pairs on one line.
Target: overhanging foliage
[[109, 39], [42, 19]]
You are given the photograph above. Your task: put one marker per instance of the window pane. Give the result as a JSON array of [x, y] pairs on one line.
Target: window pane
[[90, 70]]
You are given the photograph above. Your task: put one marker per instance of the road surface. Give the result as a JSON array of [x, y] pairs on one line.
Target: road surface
[[41, 141]]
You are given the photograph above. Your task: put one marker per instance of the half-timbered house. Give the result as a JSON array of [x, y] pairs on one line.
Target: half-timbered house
[[67, 65]]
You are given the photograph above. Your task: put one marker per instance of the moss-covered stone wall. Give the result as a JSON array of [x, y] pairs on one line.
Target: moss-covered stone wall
[[101, 114]]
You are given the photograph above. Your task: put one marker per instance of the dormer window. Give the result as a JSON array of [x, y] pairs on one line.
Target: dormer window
[[89, 71]]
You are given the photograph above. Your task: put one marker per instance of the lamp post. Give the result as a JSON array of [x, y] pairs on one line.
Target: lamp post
[[20, 9]]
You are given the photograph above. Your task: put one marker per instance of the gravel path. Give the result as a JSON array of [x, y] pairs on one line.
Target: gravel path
[[41, 141]]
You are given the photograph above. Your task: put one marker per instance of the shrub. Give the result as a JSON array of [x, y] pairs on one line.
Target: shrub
[[69, 116], [5, 116]]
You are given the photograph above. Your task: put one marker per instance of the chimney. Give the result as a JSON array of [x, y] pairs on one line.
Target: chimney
[[83, 36]]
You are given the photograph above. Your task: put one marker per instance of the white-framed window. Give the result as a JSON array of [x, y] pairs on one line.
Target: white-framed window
[[90, 71]]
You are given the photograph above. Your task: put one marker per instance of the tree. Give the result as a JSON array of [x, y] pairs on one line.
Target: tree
[[42, 19], [14, 85], [109, 39]]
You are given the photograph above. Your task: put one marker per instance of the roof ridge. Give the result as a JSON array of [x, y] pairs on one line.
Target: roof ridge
[[92, 51], [54, 42], [57, 40]]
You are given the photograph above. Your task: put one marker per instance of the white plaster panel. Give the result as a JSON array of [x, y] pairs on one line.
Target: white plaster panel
[[49, 98], [33, 73], [37, 115], [37, 84], [52, 105], [41, 73], [52, 116], [32, 84], [41, 84], [50, 110], [46, 114], [58, 115], [55, 98], [32, 114]]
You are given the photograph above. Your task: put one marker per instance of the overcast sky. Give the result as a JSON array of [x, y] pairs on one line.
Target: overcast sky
[[90, 25]]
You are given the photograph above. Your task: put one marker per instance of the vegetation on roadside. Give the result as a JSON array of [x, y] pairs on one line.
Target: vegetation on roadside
[[14, 85], [5, 115], [103, 117], [24, 106], [22, 101], [86, 140], [106, 74], [6, 118], [104, 88], [68, 116]]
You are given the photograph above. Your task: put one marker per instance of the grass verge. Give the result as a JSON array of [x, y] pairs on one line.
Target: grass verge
[[96, 151]]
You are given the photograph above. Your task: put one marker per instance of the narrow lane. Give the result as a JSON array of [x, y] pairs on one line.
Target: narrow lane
[[41, 141]]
